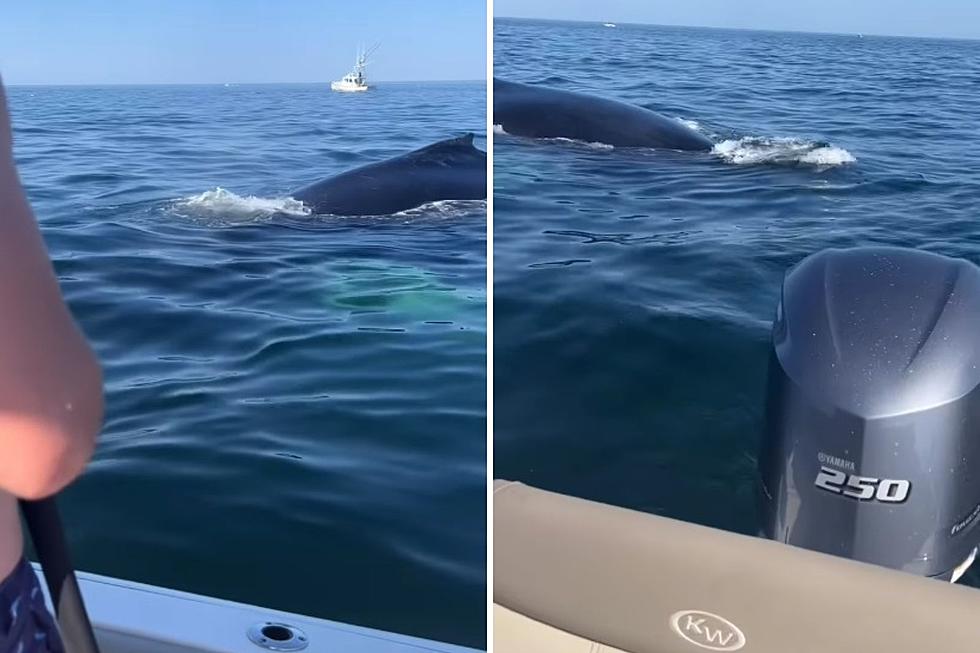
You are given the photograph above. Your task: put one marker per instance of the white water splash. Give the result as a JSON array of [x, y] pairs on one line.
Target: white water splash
[[499, 129], [434, 210], [226, 205], [595, 145], [448, 209], [792, 151]]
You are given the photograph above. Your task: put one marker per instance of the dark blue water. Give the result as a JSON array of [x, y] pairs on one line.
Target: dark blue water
[[296, 405], [634, 290]]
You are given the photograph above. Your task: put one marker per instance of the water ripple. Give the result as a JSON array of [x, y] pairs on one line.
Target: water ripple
[[634, 289], [293, 397]]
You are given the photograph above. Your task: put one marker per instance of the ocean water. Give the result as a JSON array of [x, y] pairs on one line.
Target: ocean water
[[295, 404], [634, 289]]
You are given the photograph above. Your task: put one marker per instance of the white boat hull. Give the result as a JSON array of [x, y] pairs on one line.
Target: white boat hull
[[132, 617], [347, 87]]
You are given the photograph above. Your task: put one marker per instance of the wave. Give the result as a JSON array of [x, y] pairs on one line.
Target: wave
[[228, 206], [781, 150]]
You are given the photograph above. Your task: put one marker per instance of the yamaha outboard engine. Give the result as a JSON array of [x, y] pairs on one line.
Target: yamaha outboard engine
[[872, 444]]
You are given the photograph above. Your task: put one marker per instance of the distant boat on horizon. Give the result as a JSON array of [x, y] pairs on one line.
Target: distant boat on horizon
[[355, 80], [609, 24]]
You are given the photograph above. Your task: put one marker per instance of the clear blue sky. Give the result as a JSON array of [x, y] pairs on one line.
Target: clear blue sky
[[943, 18], [217, 41]]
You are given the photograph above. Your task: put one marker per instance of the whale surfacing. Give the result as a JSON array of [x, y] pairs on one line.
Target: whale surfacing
[[541, 112], [452, 169]]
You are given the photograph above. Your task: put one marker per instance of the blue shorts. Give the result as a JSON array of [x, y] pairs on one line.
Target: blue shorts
[[26, 626]]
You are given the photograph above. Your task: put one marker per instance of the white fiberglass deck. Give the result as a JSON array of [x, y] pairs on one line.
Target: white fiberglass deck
[[131, 617]]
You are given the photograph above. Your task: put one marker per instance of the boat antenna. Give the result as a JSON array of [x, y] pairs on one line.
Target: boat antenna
[[365, 53], [48, 536]]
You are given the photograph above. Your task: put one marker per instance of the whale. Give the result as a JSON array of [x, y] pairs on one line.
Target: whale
[[542, 112], [451, 169]]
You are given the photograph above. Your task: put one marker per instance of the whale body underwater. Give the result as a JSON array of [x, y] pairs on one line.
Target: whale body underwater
[[542, 112], [452, 169]]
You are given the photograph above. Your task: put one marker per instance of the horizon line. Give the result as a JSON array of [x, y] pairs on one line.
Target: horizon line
[[745, 29], [317, 83]]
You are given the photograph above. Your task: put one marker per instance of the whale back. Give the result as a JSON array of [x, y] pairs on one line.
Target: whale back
[[543, 112], [450, 152], [450, 169]]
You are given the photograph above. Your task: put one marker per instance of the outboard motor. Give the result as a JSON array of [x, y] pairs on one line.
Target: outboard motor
[[872, 443]]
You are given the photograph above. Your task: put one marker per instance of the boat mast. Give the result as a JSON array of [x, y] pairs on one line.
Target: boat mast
[[362, 59]]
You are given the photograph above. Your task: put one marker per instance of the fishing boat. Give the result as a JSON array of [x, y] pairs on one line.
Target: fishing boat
[[355, 81], [868, 494]]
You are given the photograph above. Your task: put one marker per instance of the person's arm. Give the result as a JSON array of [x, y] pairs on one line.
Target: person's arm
[[50, 381]]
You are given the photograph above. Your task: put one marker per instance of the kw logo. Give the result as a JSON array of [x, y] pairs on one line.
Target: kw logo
[[707, 630]]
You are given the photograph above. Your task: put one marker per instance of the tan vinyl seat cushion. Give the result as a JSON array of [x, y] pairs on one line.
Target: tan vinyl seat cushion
[[615, 578]]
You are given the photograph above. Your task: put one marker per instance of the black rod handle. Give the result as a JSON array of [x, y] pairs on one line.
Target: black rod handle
[[44, 524]]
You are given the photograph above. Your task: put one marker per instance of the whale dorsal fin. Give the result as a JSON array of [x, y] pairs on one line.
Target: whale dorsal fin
[[444, 151], [464, 141]]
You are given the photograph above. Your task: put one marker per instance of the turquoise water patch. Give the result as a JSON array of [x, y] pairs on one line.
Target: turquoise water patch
[[389, 293]]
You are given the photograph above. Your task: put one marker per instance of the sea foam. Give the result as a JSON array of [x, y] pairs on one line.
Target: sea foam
[[781, 150], [226, 205]]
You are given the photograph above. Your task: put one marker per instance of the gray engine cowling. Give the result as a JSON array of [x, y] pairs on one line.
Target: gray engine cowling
[[872, 442]]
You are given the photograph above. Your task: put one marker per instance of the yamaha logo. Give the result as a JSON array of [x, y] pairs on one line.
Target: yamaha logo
[[709, 631]]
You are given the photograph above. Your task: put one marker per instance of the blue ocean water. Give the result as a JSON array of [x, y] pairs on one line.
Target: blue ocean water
[[295, 404], [634, 289]]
